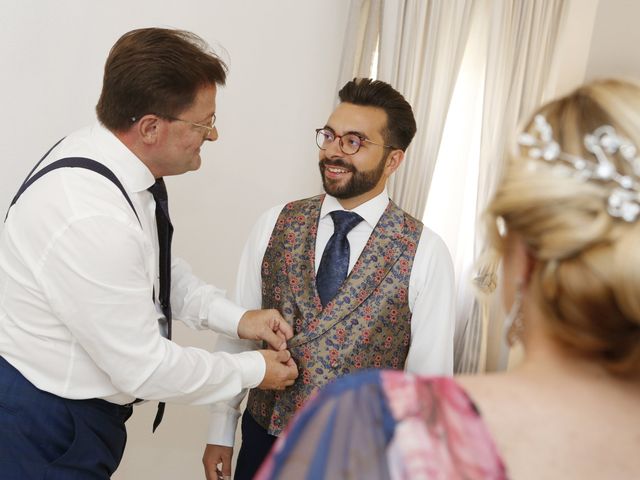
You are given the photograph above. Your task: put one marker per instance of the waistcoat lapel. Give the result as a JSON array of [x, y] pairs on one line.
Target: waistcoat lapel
[[299, 259], [381, 252]]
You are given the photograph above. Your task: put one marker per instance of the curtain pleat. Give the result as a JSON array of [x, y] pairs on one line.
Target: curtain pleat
[[420, 47], [522, 38]]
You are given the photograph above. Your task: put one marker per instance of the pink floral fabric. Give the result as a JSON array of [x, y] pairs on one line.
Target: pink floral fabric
[[439, 432], [385, 424]]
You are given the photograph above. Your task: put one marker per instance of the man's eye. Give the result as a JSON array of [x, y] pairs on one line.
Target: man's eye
[[353, 141]]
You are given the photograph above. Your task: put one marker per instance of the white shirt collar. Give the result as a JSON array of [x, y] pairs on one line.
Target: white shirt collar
[[370, 211], [128, 167]]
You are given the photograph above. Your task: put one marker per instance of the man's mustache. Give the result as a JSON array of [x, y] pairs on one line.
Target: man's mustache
[[336, 162]]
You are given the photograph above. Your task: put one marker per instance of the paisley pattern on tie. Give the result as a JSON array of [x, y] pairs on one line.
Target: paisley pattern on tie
[[334, 264], [367, 323]]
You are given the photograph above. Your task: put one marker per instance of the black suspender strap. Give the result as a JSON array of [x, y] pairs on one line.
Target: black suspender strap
[[94, 166], [38, 164], [72, 162]]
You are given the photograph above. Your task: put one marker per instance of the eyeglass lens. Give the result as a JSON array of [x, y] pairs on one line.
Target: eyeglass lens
[[349, 143]]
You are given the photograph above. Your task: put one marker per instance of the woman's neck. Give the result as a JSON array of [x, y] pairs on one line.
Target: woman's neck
[[547, 360]]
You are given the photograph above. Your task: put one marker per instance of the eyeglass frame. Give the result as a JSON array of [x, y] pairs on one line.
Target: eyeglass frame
[[341, 145], [209, 129]]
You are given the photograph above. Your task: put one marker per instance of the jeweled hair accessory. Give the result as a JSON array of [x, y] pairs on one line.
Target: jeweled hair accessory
[[624, 199]]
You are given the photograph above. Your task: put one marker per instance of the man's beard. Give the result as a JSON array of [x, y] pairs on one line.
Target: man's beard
[[359, 183]]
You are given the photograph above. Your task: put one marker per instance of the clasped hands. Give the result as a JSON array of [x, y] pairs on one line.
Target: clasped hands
[[281, 372], [268, 325]]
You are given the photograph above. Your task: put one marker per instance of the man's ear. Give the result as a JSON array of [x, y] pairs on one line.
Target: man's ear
[[393, 161], [148, 129]]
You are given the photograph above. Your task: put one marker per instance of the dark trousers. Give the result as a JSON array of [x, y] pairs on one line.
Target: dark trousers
[[256, 444], [43, 436]]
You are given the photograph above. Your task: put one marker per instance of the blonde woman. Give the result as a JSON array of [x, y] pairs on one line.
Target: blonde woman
[[566, 221]]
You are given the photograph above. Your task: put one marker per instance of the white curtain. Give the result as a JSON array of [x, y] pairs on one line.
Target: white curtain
[[522, 37], [360, 40], [420, 44], [417, 46]]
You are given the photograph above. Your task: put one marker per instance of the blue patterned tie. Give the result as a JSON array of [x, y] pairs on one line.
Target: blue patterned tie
[[335, 258]]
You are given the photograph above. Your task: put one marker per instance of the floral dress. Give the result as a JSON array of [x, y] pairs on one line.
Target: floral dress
[[386, 424]]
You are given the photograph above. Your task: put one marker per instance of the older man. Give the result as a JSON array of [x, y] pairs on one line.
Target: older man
[[88, 284]]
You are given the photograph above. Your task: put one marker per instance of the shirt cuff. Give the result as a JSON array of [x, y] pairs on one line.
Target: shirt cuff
[[224, 316], [252, 367], [222, 426]]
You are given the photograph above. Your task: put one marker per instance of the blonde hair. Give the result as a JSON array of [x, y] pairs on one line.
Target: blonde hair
[[587, 273]]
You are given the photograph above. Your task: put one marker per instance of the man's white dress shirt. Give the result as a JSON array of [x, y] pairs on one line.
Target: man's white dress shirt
[[77, 275], [431, 296]]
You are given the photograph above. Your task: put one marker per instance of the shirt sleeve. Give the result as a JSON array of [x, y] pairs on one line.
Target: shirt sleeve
[[432, 301], [224, 415], [199, 305], [95, 278]]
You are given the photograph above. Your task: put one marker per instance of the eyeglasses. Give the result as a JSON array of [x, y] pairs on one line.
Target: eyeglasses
[[209, 128], [349, 143]]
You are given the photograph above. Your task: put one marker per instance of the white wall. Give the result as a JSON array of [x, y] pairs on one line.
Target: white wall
[[283, 57], [615, 40], [572, 51], [600, 39]]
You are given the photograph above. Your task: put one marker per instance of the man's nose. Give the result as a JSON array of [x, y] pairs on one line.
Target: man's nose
[[211, 135]]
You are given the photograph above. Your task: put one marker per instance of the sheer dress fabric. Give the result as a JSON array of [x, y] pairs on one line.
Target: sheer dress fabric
[[386, 425]]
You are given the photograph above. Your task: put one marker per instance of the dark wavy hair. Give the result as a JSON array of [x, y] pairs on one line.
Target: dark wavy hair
[[155, 70], [401, 124]]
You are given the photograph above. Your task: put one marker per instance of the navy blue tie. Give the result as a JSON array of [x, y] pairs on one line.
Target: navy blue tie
[[335, 258], [165, 232]]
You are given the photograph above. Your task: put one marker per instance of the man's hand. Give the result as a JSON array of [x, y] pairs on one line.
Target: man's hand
[[281, 370], [267, 325], [215, 455]]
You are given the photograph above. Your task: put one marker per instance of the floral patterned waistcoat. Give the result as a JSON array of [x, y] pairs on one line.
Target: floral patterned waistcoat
[[366, 325]]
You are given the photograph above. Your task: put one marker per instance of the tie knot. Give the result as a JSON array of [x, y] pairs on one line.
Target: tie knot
[[344, 221], [159, 190]]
